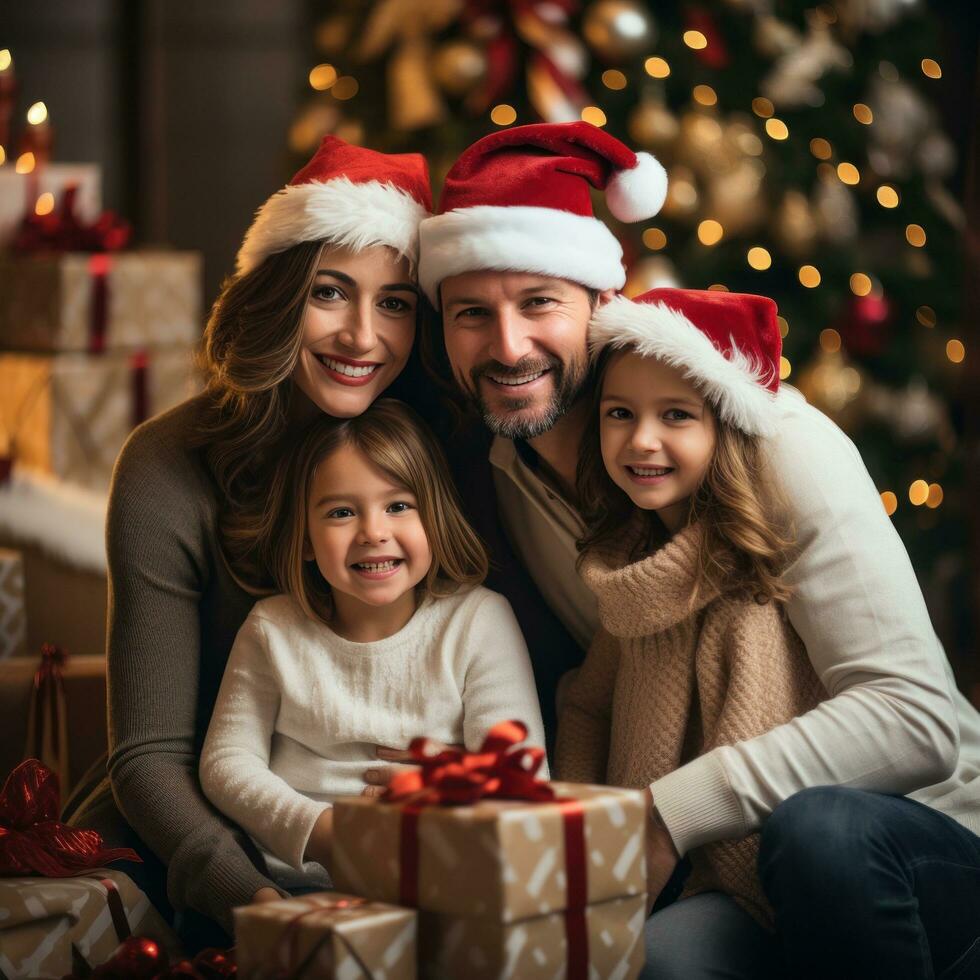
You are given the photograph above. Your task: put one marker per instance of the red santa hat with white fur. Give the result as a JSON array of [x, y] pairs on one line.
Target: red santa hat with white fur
[[346, 195], [518, 200], [728, 344]]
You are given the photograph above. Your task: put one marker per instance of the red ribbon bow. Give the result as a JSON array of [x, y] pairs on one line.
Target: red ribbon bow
[[63, 231], [32, 838], [455, 777]]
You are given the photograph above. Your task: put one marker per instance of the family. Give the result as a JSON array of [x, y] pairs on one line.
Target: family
[[443, 475]]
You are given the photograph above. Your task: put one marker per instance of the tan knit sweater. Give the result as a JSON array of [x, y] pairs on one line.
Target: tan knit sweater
[[665, 681]]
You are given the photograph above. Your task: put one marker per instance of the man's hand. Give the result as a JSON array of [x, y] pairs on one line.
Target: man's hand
[[378, 777], [662, 856], [265, 895]]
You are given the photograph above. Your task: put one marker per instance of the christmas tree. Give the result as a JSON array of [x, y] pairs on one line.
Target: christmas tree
[[806, 162]]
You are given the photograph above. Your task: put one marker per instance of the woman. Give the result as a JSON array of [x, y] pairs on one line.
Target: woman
[[319, 317]]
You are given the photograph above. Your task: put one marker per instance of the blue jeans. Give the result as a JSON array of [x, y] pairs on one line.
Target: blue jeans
[[870, 886]]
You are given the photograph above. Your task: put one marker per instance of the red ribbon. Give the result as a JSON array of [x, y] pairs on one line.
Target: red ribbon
[[63, 231], [288, 943], [501, 771], [47, 737], [139, 368], [34, 841]]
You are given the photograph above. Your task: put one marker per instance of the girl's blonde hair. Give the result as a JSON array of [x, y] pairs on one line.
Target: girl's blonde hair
[[395, 440], [747, 542]]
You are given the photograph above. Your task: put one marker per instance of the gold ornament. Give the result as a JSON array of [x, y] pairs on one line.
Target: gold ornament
[[682, 193], [618, 29], [653, 125], [796, 228], [650, 272], [836, 387], [459, 67]]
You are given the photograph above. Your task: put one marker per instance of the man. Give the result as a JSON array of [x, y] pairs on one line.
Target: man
[[863, 884]]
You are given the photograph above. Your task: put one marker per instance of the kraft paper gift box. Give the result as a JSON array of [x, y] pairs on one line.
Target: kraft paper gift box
[[535, 949], [19, 192], [501, 860], [325, 935], [42, 919], [69, 414], [13, 616], [103, 301]]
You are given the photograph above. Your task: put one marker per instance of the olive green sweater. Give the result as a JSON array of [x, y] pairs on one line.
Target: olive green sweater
[[174, 611]]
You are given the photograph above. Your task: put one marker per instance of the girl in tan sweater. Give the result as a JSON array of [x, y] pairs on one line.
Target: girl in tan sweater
[[684, 548]]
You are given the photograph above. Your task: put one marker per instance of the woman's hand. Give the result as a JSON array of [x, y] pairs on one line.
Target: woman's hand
[[378, 777], [320, 844], [662, 856], [265, 895]]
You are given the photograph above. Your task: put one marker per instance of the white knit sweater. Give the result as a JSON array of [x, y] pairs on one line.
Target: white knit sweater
[[301, 709]]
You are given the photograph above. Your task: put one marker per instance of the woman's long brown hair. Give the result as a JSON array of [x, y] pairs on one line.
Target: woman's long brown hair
[[747, 542]]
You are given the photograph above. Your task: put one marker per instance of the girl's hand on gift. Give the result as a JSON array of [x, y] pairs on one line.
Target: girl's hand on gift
[[378, 777], [265, 895], [662, 856]]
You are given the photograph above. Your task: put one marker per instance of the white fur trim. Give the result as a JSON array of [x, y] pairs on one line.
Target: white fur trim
[[63, 520], [638, 193], [736, 385], [545, 241], [356, 216]]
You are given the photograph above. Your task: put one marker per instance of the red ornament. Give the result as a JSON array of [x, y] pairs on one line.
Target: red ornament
[[138, 958], [865, 324]]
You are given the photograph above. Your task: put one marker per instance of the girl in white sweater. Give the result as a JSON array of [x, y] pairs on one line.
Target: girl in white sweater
[[383, 633]]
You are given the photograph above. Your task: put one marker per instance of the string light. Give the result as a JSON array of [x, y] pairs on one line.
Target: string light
[[614, 79], [863, 114], [809, 276], [830, 340], [931, 69], [25, 163], [926, 316], [654, 239], [783, 326], [758, 258], [785, 368], [935, 497], [915, 235], [777, 129], [705, 95], [695, 40], [344, 88], [656, 67], [848, 173], [5, 59], [45, 204], [955, 350], [37, 113], [503, 115], [887, 196], [710, 232], [322, 77], [821, 149], [890, 502], [860, 284], [763, 107], [3, 156], [593, 114], [919, 492]]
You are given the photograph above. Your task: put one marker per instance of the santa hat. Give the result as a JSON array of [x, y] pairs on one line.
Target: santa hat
[[518, 200], [728, 344], [346, 195]]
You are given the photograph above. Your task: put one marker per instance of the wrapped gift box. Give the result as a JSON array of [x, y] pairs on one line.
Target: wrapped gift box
[[497, 859], [323, 936], [117, 301], [19, 192], [13, 617], [451, 947], [69, 414], [43, 918]]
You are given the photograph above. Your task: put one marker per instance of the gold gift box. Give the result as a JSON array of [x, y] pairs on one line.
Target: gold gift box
[[497, 859], [451, 947], [69, 414], [325, 935], [153, 299], [45, 917]]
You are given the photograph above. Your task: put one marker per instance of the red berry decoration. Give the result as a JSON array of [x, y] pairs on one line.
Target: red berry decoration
[[137, 958]]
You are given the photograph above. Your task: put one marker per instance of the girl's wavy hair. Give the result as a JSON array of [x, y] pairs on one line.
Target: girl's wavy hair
[[747, 542], [395, 440], [251, 344]]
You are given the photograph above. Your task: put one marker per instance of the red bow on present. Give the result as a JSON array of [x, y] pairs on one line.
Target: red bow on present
[[64, 231], [454, 777], [32, 838]]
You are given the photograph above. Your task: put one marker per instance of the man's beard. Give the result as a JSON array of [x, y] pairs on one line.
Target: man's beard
[[568, 382]]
